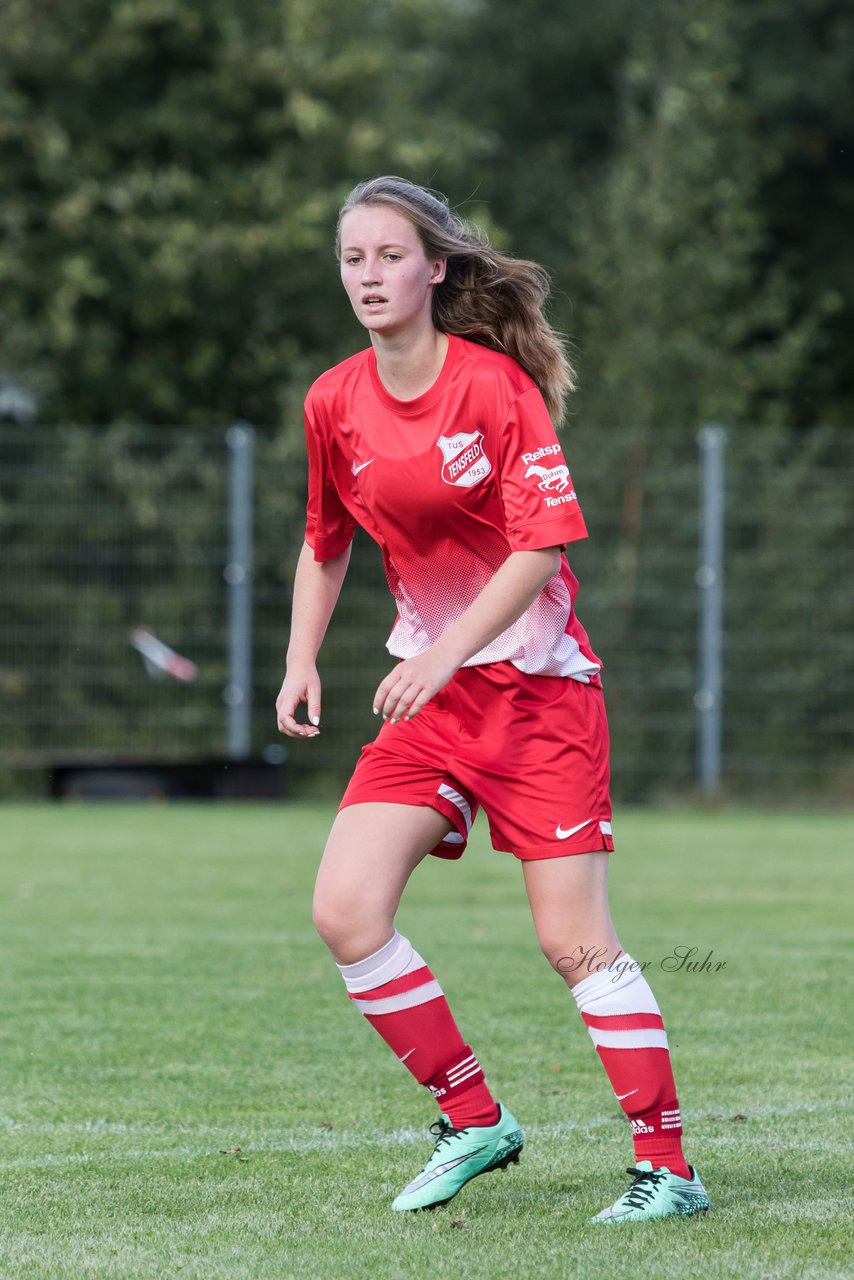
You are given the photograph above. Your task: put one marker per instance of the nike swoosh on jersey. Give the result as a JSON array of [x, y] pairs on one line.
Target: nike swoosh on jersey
[[361, 466], [564, 835]]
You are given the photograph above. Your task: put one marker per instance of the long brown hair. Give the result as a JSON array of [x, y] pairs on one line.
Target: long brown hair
[[486, 296]]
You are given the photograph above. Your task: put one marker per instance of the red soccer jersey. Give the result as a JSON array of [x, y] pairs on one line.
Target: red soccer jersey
[[448, 485]]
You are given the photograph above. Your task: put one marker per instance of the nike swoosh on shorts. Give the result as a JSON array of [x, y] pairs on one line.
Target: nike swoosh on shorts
[[361, 466], [564, 835]]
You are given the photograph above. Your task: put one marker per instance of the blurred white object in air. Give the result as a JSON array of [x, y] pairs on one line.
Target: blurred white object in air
[[160, 659]]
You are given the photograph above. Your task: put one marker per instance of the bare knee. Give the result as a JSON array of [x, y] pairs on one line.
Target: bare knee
[[575, 961], [371, 852], [561, 955], [351, 930], [326, 920]]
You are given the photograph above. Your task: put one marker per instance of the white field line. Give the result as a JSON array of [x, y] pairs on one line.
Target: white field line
[[312, 1140], [8, 1124]]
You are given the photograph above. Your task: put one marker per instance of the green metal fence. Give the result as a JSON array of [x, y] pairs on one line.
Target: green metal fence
[[108, 530]]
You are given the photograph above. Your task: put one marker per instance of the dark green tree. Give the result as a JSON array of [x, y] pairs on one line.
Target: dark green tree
[[687, 313], [687, 177], [170, 175]]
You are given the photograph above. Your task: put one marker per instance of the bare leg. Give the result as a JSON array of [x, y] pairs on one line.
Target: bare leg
[[569, 904], [371, 852]]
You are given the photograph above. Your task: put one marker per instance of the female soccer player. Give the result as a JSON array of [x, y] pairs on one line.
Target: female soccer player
[[439, 441]]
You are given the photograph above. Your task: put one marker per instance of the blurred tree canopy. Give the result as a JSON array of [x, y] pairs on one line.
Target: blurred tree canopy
[[687, 174], [170, 174]]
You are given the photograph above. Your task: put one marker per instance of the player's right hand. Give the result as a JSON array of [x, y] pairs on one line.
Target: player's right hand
[[299, 685]]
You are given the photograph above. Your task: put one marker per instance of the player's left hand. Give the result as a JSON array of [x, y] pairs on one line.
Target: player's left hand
[[412, 684]]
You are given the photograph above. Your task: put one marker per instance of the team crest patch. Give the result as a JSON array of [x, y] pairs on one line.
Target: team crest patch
[[465, 461]]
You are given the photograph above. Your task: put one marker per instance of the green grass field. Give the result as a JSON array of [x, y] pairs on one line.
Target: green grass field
[[187, 1092]]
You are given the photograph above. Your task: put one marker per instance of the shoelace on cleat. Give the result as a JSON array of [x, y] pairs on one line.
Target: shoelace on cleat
[[443, 1132], [644, 1186]]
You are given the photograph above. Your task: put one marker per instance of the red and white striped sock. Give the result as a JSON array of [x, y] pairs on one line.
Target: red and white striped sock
[[402, 1000], [626, 1026]]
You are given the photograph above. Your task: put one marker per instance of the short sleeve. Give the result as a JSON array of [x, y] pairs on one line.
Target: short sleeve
[[540, 504], [329, 527]]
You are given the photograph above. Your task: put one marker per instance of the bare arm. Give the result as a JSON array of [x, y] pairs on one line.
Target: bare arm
[[503, 600], [316, 590]]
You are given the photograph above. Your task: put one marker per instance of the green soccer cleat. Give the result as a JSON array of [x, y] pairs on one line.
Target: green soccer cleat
[[657, 1193], [459, 1156]]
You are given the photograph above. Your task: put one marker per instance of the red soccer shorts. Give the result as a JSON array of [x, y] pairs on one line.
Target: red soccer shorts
[[532, 751]]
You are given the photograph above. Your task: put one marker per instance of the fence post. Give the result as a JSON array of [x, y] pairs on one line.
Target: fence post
[[710, 571], [237, 695]]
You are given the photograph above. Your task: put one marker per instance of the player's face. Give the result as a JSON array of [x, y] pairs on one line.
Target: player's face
[[388, 278]]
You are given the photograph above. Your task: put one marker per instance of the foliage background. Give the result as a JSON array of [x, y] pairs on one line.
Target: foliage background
[[169, 179], [170, 175]]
